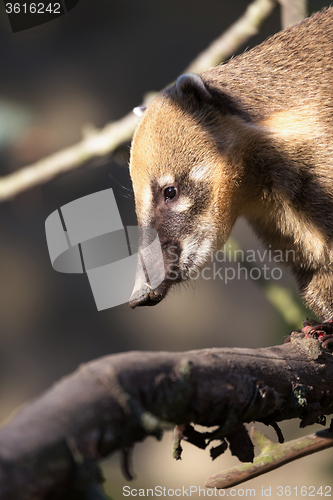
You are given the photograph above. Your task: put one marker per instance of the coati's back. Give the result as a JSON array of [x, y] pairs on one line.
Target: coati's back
[[285, 85]]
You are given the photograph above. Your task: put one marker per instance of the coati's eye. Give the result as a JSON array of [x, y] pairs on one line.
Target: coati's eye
[[169, 193]]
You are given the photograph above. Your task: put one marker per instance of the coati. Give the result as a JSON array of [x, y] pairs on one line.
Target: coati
[[251, 138]]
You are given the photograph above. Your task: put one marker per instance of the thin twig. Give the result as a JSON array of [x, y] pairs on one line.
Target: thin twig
[[272, 456], [292, 12], [97, 143], [230, 41]]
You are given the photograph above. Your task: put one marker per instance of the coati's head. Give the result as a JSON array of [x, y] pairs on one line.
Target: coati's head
[[185, 187]]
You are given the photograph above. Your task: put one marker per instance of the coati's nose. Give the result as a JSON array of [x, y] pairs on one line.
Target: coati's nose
[[145, 297], [142, 300]]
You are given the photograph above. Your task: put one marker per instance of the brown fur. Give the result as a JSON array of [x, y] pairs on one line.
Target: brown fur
[[253, 138]]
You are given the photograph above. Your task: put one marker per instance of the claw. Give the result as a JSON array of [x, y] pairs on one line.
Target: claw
[[321, 331], [328, 342]]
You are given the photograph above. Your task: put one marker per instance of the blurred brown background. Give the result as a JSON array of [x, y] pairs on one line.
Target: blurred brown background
[[92, 66]]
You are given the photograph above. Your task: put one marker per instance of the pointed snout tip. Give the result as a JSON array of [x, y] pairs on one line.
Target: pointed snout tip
[[141, 298], [138, 301]]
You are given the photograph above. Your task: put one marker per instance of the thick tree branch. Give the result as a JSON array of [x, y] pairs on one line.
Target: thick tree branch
[[103, 142], [52, 444]]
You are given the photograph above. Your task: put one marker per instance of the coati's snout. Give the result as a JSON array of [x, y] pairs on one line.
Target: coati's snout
[[157, 270]]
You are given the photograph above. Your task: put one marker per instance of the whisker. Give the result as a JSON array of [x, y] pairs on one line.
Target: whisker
[[130, 191]]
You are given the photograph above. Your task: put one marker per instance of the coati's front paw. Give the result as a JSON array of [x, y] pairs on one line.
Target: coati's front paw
[[321, 331]]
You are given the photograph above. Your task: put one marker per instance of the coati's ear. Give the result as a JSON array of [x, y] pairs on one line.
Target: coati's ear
[[139, 111], [190, 84]]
